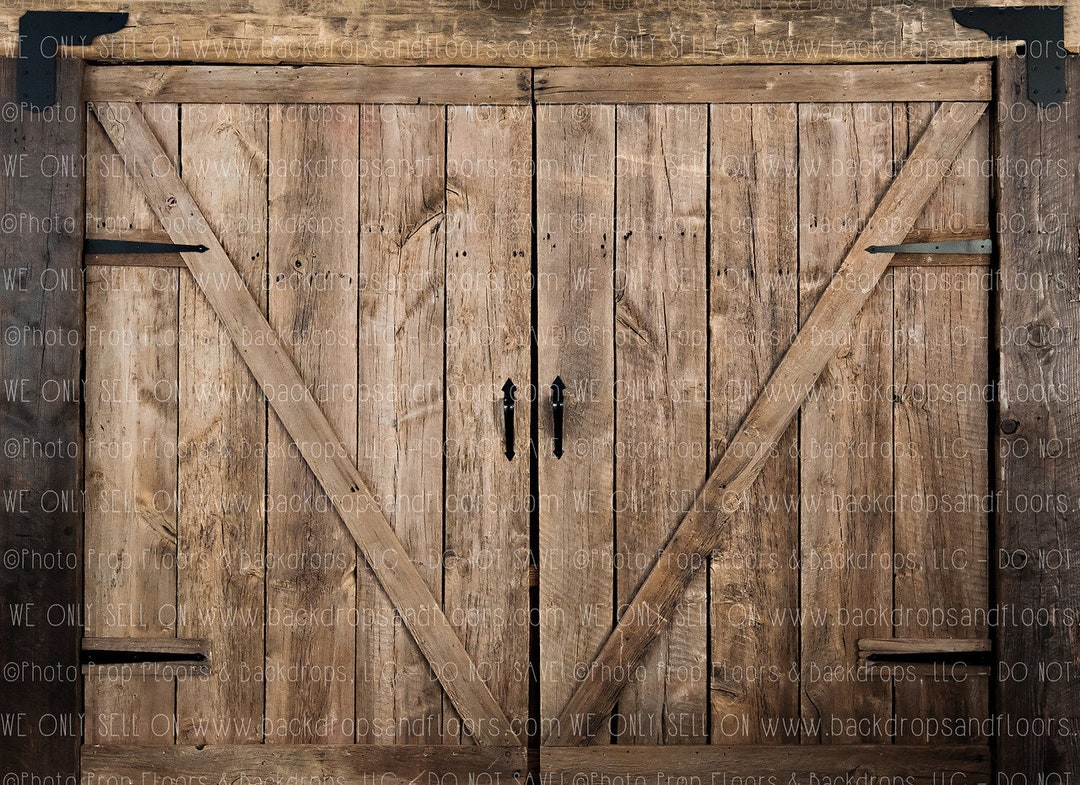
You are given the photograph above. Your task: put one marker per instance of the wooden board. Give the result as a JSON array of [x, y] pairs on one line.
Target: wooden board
[[575, 341], [313, 305], [845, 158], [41, 297], [488, 318], [661, 393], [222, 420], [1037, 427], [131, 464], [400, 421], [753, 307]]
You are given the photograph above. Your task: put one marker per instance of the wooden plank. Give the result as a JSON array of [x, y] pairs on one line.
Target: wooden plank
[[753, 317], [221, 536], [300, 414], [575, 201], [845, 435], [399, 765], [402, 297], [661, 393], [312, 260], [940, 460], [764, 84], [1037, 334], [892, 647], [131, 425], [308, 84], [445, 32], [770, 763], [489, 319], [41, 297], [174, 646], [721, 495]]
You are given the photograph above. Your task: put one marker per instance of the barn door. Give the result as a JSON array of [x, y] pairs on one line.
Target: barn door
[[836, 599], [336, 354]]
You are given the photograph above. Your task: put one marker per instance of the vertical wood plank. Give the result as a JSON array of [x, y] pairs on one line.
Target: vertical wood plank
[[1039, 473], [131, 467], [222, 428], [400, 412], [41, 294], [661, 372], [754, 308], [845, 152], [488, 317], [311, 578], [575, 192], [941, 356]]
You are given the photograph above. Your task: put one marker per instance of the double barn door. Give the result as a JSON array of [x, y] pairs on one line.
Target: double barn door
[[504, 333]]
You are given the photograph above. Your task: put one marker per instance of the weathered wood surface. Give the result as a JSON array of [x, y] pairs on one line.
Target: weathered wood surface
[[41, 297], [1038, 336]]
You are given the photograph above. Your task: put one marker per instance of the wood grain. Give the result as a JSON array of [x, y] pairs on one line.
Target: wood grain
[[575, 341], [661, 391], [753, 317], [266, 357], [719, 498], [131, 465]]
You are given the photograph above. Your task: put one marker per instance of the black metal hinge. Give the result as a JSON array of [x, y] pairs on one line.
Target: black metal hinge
[[41, 34], [1042, 29]]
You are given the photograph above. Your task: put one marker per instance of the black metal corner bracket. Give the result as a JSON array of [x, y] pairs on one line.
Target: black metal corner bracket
[[1042, 29], [41, 34]]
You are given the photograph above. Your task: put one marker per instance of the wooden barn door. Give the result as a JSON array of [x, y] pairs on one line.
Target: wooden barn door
[[830, 609], [337, 353]]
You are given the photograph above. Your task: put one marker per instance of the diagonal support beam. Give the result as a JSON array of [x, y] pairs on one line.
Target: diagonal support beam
[[270, 364], [721, 496]]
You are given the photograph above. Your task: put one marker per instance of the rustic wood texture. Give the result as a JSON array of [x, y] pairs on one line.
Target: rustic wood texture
[[764, 84], [311, 84], [41, 295], [753, 309], [302, 418], [489, 321], [1039, 482], [898, 647], [131, 464], [767, 420], [221, 534], [661, 393], [940, 460], [575, 342], [178, 646], [845, 165], [401, 356], [510, 33]]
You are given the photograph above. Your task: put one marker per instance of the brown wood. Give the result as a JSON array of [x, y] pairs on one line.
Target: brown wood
[[764, 84], [924, 765], [41, 296], [575, 263], [1038, 339], [131, 465], [177, 646], [222, 478], [309, 84], [306, 424], [754, 316], [721, 495], [400, 765], [661, 372]]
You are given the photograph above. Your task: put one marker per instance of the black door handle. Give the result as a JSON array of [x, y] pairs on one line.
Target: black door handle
[[557, 388], [508, 417]]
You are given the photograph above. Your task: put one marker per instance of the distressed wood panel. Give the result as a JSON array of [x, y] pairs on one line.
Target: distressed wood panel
[[131, 464], [753, 307]]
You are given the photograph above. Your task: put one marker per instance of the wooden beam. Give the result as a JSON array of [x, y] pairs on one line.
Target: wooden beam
[[180, 647], [913, 764], [266, 356], [722, 495], [308, 84], [897, 648], [386, 765], [745, 84]]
